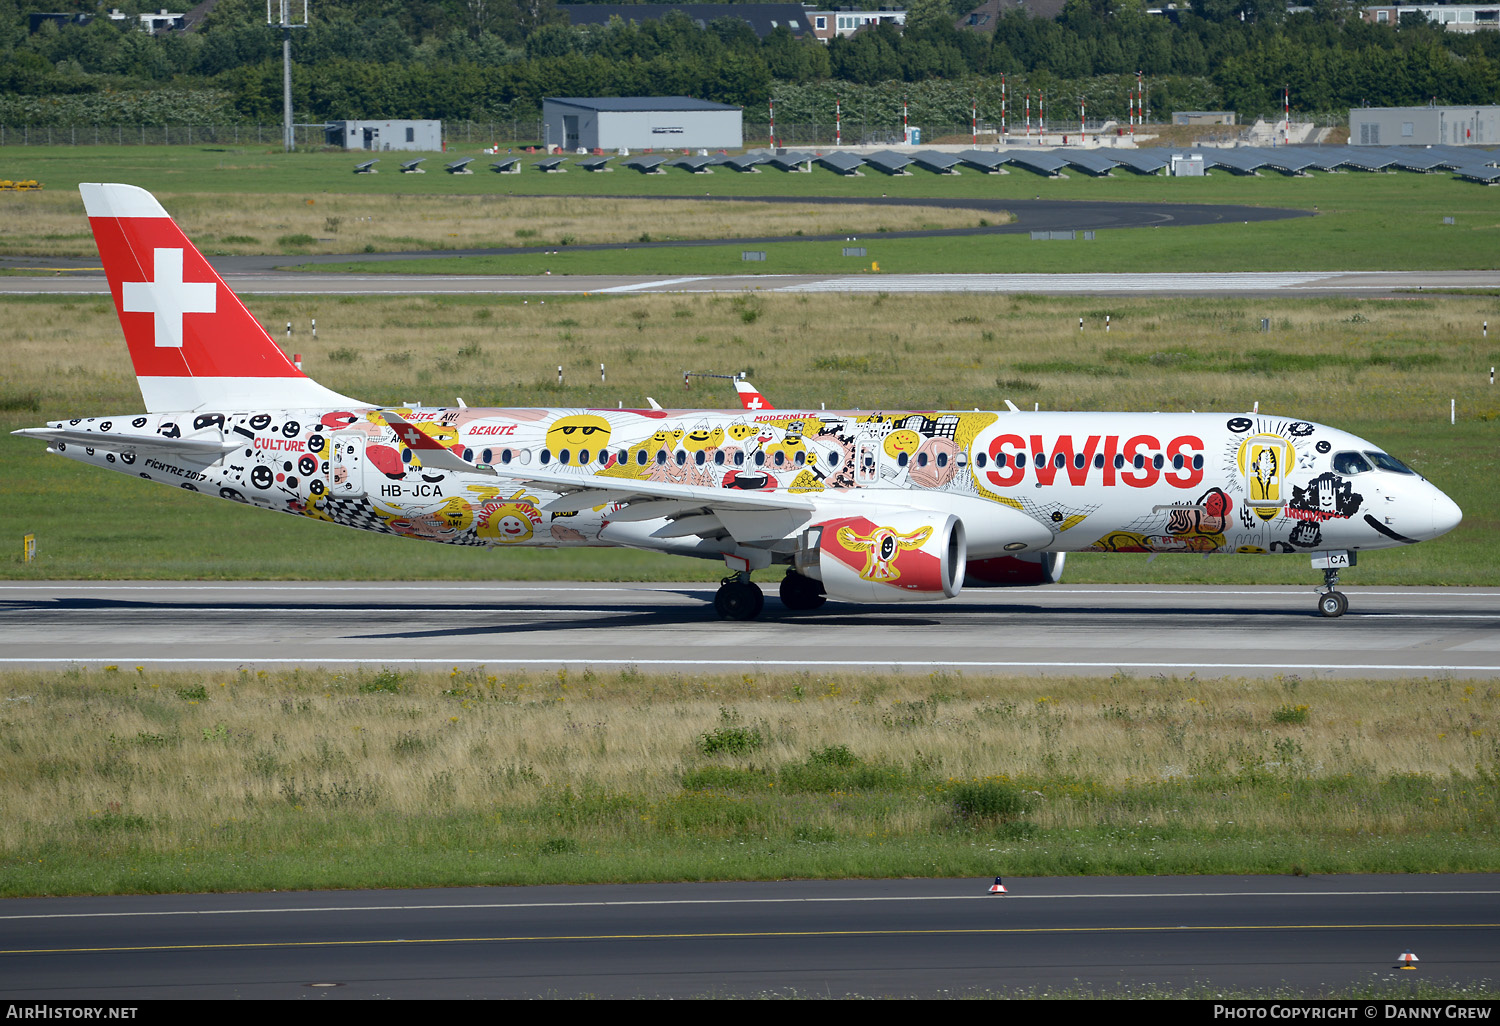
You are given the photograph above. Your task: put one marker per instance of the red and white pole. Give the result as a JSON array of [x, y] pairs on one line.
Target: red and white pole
[[1140, 98], [771, 132], [1004, 109], [905, 128], [1041, 113], [974, 119], [1286, 114], [838, 122], [1083, 121], [1028, 115]]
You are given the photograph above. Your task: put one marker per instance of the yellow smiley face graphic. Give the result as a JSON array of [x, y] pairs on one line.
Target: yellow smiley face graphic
[[905, 441], [580, 431]]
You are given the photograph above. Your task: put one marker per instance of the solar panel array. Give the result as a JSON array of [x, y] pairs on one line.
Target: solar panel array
[[1469, 162]]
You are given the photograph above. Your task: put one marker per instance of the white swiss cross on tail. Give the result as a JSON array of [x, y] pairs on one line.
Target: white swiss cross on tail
[[750, 398], [168, 297]]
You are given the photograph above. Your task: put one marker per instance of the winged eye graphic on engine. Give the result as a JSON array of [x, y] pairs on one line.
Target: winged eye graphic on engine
[[881, 547]]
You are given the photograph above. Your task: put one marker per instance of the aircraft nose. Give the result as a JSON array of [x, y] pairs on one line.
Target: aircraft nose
[[1445, 514]]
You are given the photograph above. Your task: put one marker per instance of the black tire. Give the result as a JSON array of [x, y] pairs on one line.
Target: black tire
[[1333, 604], [801, 593], [739, 601]]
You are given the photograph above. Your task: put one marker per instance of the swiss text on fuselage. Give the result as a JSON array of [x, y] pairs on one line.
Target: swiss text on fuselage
[[1013, 457]]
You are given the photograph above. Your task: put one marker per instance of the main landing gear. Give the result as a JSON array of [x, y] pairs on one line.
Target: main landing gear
[[738, 598], [1332, 602], [801, 593]]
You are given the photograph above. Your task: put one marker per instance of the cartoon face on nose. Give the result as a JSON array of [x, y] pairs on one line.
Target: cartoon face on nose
[[1328, 495], [740, 431], [580, 431]]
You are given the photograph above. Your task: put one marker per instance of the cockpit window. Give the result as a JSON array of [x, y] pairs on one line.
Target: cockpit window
[[1349, 463], [1390, 463]]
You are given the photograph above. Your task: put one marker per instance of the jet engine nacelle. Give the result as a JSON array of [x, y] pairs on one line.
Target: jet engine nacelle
[[896, 556], [1025, 570]]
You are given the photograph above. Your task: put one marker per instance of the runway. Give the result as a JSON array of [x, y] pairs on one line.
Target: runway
[[899, 938], [1269, 283], [1086, 630]]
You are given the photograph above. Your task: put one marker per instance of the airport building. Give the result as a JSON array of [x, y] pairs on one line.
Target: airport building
[[379, 136], [1424, 126], [641, 123]]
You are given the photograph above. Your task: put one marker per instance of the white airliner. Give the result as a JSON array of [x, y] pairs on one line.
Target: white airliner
[[856, 506]]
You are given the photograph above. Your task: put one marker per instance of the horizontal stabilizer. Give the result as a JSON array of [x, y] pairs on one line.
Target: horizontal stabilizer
[[209, 449]]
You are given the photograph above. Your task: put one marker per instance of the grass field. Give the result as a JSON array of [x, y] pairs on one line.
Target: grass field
[[53, 223], [1383, 369], [127, 780], [1364, 222]]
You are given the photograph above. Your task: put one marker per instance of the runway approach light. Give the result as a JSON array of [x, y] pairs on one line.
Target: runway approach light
[[998, 887], [1409, 959]]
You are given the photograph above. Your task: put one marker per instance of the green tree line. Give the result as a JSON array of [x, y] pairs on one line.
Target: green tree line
[[497, 59]]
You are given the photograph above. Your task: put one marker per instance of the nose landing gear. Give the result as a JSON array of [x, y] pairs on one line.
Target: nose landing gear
[[1332, 602]]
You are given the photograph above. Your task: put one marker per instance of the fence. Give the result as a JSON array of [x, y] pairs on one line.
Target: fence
[[483, 133], [520, 132]]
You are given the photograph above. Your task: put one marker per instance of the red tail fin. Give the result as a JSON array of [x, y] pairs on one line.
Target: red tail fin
[[193, 343]]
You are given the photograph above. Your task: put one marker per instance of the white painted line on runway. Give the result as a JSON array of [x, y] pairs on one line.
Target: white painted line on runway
[[742, 664], [648, 285], [667, 902]]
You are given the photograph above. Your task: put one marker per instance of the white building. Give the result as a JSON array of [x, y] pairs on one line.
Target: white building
[[641, 123], [379, 136], [1424, 126]]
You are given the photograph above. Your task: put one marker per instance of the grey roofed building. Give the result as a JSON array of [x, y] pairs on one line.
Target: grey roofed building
[[763, 19], [641, 123]]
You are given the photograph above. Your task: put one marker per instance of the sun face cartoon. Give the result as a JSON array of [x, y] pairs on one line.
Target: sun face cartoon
[[580, 431], [903, 441], [508, 522], [739, 430]]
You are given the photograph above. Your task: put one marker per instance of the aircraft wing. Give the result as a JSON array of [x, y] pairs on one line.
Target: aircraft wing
[[749, 517], [116, 441]]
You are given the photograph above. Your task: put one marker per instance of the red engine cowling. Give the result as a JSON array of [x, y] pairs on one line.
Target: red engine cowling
[[1021, 571], [903, 556]]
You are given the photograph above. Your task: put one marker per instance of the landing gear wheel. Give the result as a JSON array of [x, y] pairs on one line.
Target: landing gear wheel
[[800, 593], [1333, 603], [738, 600]]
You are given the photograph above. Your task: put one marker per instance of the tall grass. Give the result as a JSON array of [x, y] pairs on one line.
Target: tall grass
[[249, 779]]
